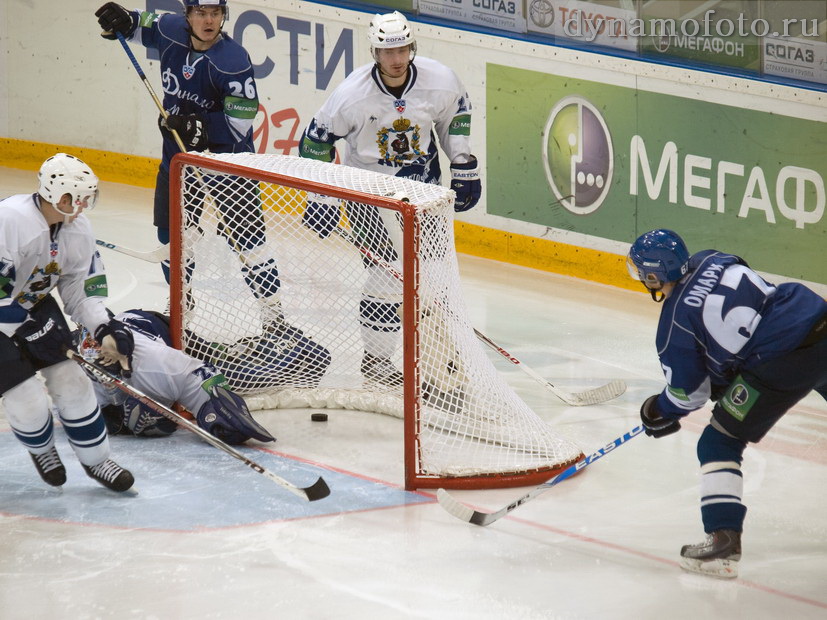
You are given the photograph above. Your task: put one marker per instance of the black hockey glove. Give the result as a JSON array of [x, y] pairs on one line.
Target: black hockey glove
[[117, 346], [47, 340], [114, 18], [320, 218], [466, 184], [191, 128], [654, 424]]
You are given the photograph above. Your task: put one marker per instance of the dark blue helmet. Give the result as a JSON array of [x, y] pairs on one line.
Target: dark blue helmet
[[191, 4], [657, 257]]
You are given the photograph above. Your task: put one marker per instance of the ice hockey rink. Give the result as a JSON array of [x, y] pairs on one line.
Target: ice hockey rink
[[205, 537]]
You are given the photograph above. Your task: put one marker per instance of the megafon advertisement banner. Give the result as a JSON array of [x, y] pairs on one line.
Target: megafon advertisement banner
[[613, 162]]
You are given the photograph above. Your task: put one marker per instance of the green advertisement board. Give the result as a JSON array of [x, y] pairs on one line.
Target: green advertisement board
[[613, 162]]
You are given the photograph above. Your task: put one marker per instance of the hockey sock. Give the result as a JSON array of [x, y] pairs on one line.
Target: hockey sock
[[380, 324], [73, 395], [27, 412], [722, 484]]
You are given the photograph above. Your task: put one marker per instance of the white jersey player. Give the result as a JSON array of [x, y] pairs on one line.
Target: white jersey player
[[46, 242], [170, 376], [390, 114]]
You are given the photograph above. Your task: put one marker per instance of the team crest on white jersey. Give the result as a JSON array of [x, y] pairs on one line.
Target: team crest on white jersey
[[400, 105], [399, 144]]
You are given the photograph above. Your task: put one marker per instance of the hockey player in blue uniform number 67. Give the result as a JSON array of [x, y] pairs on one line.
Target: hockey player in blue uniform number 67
[[211, 99], [390, 113], [727, 335], [45, 242]]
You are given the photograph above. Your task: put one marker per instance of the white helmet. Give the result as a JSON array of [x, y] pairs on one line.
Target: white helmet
[[390, 30], [64, 174]]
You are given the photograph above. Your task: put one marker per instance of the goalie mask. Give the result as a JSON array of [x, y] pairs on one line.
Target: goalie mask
[[226, 417], [657, 258], [389, 31], [64, 174]]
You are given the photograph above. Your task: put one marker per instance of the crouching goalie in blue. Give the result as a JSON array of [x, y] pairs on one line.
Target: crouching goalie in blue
[[754, 348]]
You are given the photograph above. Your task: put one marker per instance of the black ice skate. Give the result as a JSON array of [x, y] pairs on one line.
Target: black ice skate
[[50, 467], [111, 475], [717, 556], [380, 370]]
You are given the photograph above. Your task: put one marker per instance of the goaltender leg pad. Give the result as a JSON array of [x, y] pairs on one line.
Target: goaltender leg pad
[[226, 416], [280, 359]]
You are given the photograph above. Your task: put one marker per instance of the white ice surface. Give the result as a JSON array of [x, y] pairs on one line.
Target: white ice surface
[[207, 538]]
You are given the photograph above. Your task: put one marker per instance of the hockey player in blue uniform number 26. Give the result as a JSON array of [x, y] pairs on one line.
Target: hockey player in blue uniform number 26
[[728, 335], [390, 113], [211, 99], [45, 242]]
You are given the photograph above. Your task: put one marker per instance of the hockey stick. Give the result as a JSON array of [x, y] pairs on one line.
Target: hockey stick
[[158, 255], [594, 396], [477, 517], [315, 491]]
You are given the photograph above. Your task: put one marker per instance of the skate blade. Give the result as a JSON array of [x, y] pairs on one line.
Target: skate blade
[[719, 569]]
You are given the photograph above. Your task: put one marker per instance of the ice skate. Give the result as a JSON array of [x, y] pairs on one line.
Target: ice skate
[[50, 467], [111, 475], [380, 370], [717, 556]]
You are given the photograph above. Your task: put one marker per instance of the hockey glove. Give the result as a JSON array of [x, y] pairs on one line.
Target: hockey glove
[[466, 184], [320, 217], [47, 340], [144, 421], [654, 424], [191, 128], [117, 345], [114, 18]]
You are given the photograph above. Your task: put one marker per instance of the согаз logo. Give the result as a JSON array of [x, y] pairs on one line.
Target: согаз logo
[[578, 155]]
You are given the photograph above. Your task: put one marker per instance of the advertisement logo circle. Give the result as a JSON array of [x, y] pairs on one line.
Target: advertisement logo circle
[[541, 13], [578, 155]]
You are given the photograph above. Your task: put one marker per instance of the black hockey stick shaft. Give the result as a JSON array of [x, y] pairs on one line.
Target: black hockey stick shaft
[[317, 490], [478, 517]]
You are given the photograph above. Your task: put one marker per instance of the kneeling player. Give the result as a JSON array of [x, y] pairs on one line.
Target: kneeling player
[[171, 376]]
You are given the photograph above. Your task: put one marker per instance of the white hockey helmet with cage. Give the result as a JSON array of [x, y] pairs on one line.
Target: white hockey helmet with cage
[[64, 174], [389, 31]]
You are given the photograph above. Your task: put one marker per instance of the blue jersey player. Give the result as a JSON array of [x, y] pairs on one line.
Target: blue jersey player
[[754, 348], [211, 100]]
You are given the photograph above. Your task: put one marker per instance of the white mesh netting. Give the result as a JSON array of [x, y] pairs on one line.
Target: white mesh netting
[[288, 314]]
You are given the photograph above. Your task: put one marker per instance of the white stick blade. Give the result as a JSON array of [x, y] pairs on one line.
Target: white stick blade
[[453, 507], [596, 396]]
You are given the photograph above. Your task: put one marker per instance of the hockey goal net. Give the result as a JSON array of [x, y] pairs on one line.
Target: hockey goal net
[[287, 314]]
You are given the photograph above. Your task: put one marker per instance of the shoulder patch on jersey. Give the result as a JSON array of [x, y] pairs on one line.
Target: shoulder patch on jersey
[[96, 286], [239, 107], [460, 125]]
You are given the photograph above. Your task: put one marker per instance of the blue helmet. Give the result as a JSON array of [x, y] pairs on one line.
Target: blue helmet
[[657, 257]]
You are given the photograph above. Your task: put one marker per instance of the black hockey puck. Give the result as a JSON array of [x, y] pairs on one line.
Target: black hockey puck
[[318, 417]]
